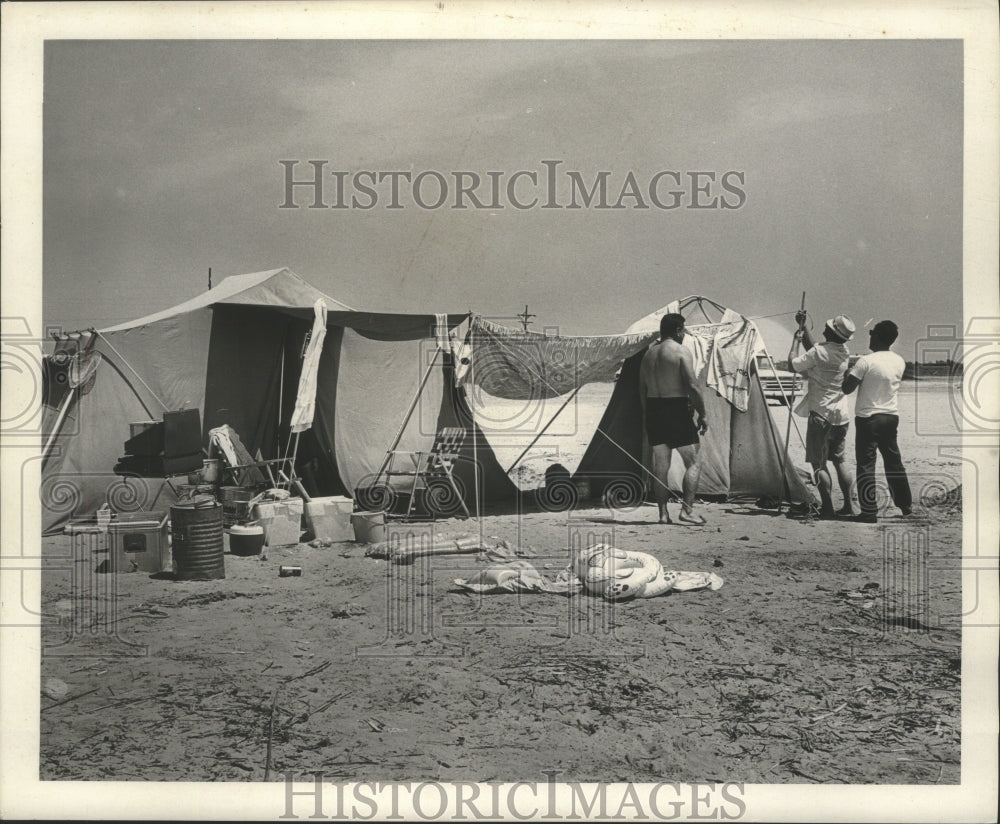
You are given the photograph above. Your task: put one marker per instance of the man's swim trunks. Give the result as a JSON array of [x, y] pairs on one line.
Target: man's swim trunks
[[669, 421]]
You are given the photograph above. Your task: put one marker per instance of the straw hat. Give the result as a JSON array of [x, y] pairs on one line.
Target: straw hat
[[842, 326]]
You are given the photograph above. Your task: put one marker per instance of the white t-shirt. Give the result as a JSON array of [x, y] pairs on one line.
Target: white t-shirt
[[880, 374], [824, 366]]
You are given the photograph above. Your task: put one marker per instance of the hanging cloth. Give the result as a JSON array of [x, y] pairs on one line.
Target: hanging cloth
[[305, 400]]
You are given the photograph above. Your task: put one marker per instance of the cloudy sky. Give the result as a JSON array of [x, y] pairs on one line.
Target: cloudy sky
[[161, 159]]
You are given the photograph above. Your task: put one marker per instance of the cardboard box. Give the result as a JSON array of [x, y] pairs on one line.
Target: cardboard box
[[282, 521], [139, 542], [329, 519]]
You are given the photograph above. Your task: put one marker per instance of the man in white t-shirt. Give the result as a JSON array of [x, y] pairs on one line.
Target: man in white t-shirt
[[824, 365], [876, 376]]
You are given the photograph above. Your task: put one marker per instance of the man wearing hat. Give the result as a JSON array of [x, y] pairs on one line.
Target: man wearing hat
[[824, 365]]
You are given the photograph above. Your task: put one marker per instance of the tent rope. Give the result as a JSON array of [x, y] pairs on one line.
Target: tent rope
[[544, 429], [628, 455]]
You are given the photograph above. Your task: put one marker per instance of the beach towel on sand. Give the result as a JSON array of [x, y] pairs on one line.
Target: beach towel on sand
[[603, 570]]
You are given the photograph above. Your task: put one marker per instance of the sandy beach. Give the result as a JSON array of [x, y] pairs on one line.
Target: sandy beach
[[829, 656]]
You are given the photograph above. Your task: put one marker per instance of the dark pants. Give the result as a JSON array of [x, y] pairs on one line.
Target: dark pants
[[878, 432]]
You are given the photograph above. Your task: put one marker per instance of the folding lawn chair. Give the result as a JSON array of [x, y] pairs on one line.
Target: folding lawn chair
[[432, 472]]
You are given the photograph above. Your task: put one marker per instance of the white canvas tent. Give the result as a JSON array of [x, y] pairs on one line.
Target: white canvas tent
[[235, 354], [742, 452]]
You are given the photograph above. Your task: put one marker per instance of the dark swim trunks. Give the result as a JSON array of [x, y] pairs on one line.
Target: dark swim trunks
[[669, 421]]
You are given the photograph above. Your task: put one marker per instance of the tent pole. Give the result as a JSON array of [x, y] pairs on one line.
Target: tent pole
[[785, 488], [129, 365], [64, 408], [544, 429], [59, 421], [409, 412], [475, 438], [796, 342], [784, 397], [281, 393], [295, 453]]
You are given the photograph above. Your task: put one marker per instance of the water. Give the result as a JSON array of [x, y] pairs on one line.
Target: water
[[930, 419]]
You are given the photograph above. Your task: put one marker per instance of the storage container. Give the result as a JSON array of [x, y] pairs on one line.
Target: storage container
[[329, 519], [137, 542], [281, 520], [246, 540], [198, 550], [369, 527]]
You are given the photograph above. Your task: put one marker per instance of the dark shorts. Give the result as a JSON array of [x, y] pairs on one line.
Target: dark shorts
[[824, 441], [670, 421]]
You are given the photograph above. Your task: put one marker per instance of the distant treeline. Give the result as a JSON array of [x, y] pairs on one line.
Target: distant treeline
[[913, 371], [938, 369]]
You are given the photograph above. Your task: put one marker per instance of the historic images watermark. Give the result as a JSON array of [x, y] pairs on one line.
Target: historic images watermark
[[522, 800], [310, 184]]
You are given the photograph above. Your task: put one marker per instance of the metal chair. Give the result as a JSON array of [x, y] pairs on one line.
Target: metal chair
[[431, 471]]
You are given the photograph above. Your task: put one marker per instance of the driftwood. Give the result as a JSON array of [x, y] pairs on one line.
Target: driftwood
[[400, 553]]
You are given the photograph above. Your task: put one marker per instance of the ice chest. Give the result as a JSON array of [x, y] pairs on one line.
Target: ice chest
[[138, 542], [281, 520], [330, 518]]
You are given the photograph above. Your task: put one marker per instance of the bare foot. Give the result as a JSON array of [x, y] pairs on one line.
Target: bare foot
[[688, 517]]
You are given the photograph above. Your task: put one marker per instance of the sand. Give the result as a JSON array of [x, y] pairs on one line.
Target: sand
[[818, 661]]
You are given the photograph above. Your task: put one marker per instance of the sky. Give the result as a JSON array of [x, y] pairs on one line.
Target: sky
[[161, 160]]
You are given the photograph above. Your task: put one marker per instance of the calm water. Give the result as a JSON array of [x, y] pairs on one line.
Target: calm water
[[930, 415]]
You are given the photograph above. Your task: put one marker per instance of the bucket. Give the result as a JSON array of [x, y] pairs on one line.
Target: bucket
[[197, 541], [369, 527], [235, 504], [246, 540], [210, 470], [329, 518]]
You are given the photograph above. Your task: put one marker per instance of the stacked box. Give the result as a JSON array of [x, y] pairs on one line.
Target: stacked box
[[281, 520], [329, 519]]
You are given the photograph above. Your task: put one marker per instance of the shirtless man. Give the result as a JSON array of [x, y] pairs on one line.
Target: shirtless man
[[667, 393]]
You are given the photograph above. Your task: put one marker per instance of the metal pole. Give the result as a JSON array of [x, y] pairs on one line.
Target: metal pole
[[788, 427], [544, 429], [64, 408], [409, 412], [475, 435], [281, 394]]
